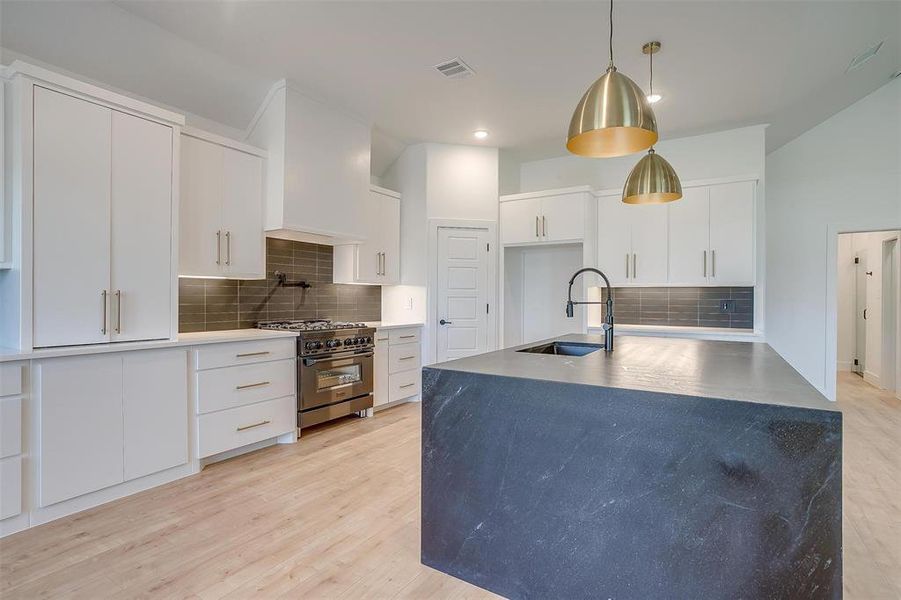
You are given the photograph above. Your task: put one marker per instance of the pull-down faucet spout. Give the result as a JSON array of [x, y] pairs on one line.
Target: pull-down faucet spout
[[608, 318]]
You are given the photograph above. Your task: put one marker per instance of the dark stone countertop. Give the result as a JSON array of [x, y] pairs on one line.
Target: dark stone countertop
[[744, 371]]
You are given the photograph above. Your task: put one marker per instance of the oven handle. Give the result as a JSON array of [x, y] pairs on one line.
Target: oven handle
[[309, 362]]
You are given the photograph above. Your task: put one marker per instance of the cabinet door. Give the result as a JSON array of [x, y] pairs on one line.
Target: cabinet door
[[141, 231], [201, 179], [368, 258], [689, 220], [520, 221], [390, 212], [71, 220], [80, 426], [381, 390], [732, 233], [242, 215], [563, 217], [614, 240], [649, 244], [155, 411]]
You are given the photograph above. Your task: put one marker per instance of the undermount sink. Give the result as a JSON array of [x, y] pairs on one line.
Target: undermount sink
[[564, 348]]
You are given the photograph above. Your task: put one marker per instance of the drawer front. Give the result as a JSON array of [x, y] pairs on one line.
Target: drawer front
[[404, 357], [404, 385], [10, 487], [10, 379], [10, 426], [404, 336], [236, 427], [242, 353], [219, 389]]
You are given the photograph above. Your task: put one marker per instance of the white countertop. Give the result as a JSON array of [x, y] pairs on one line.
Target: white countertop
[[388, 325], [184, 339]]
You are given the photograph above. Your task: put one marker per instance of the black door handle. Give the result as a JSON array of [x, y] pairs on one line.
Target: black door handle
[[443, 322]]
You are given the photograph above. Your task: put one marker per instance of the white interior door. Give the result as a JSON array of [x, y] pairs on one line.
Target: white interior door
[[649, 244], [689, 237], [141, 238], [462, 292], [200, 201], [614, 240], [242, 215], [71, 220], [732, 233]]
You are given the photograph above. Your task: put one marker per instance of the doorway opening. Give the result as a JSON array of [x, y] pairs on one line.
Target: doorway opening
[[869, 293]]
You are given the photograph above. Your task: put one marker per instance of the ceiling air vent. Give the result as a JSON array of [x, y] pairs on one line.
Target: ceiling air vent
[[454, 69]]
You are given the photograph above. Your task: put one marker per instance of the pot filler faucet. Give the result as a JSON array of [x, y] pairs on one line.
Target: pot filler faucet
[[608, 319]]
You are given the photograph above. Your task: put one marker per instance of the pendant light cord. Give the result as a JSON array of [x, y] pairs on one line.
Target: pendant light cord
[[610, 66], [651, 55]]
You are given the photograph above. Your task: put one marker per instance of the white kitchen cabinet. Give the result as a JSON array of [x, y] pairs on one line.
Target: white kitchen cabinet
[[155, 415], [544, 217], [711, 235], [221, 215], [732, 233], [102, 224], [380, 369], [109, 418], [376, 260], [632, 242], [397, 365], [5, 203], [10, 440]]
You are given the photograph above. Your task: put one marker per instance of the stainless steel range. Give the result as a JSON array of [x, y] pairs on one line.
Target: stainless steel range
[[334, 368]]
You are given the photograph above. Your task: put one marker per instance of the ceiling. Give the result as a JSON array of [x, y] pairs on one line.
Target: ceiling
[[724, 64]]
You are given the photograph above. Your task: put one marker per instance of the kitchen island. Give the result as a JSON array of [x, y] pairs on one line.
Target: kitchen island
[[670, 468]]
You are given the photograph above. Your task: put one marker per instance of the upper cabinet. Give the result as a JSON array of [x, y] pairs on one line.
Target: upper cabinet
[[221, 216], [705, 238], [318, 176], [377, 260], [6, 258], [556, 216]]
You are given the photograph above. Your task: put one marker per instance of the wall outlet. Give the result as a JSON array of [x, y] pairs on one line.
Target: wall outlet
[[727, 306], [409, 303]]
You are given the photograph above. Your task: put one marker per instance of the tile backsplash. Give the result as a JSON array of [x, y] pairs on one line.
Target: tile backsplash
[[684, 306], [213, 304]]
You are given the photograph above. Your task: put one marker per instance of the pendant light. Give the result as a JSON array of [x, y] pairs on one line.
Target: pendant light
[[653, 180], [613, 118]]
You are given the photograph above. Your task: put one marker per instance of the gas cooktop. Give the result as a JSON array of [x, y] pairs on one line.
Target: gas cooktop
[[309, 325]]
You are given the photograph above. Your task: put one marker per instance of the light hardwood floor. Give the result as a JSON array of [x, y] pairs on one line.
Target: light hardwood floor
[[336, 516]]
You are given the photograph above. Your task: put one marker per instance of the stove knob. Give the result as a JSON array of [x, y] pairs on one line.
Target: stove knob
[[361, 340], [368, 339], [333, 343], [348, 342], [311, 345]]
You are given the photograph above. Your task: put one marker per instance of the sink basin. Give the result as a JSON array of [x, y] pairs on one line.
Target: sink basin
[[564, 348]]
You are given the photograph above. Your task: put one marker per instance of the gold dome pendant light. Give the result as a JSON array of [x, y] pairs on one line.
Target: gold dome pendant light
[[653, 180], [613, 118]]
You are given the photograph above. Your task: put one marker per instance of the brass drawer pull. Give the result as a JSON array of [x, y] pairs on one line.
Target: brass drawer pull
[[251, 385], [260, 424], [406, 357], [407, 385], [246, 354], [406, 337]]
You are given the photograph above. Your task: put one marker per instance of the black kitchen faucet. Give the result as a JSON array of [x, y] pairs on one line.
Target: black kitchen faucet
[[608, 318]]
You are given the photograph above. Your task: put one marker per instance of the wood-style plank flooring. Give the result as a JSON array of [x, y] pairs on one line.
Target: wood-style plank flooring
[[336, 516]]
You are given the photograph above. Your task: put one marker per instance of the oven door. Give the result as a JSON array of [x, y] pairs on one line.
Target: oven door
[[334, 378]]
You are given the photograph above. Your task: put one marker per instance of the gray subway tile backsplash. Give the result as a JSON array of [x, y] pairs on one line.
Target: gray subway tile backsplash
[[684, 306], [214, 304]]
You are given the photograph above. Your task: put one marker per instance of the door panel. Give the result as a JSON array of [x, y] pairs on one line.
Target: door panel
[[614, 240], [155, 411], [71, 219], [201, 179], [519, 221], [242, 215], [462, 292], [563, 217], [141, 232], [689, 226], [80, 426], [732, 233], [649, 244]]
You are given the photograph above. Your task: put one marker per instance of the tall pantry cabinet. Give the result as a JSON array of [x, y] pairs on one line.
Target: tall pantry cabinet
[[102, 207]]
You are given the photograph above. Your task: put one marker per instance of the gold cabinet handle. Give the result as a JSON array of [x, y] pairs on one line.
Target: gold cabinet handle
[[103, 317], [118, 311], [219, 247], [634, 266], [406, 358], [537, 225], [228, 247], [544, 226], [260, 424], [407, 385], [705, 263], [246, 354], [713, 263], [406, 337], [251, 385]]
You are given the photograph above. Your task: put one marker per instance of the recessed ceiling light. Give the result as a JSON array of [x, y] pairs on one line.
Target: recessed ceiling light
[[480, 134], [654, 98], [859, 60]]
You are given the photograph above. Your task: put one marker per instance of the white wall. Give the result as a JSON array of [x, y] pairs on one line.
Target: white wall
[[462, 182], [843, 175]]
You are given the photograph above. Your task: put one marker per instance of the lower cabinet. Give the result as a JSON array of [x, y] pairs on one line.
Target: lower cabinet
[[109, 418], [398, 365], [10, 440]]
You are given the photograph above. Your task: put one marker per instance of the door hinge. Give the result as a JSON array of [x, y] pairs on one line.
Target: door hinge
[[856, 260], [856, 362]]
